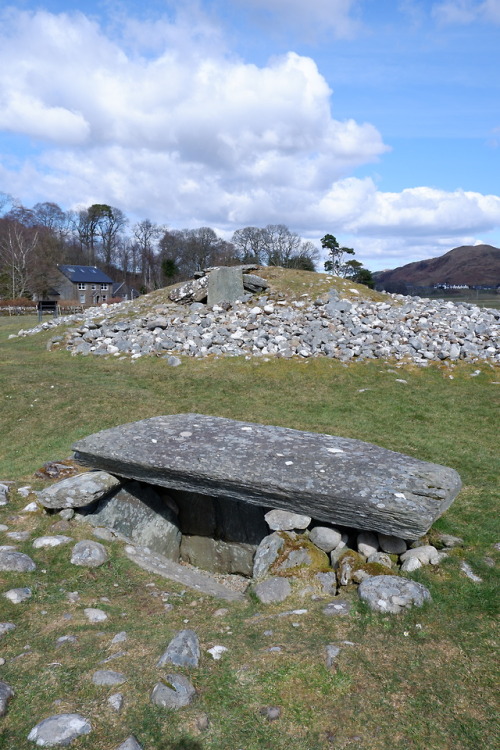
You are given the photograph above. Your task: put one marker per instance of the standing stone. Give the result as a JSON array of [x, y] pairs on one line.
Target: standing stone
[[79, 491], [225, 284], [89, 554], [176, 692], [183, 650], [362, 485], [59, 730], [15, 562], [139, 514], [392, 594]]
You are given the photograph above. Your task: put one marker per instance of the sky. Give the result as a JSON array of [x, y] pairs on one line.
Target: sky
[[377, 121]]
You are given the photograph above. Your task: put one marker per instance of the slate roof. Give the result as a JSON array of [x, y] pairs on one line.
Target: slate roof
[[85, 274]]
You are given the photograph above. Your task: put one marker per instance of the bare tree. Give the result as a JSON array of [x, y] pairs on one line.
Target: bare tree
[[17, 252], [147, 235]]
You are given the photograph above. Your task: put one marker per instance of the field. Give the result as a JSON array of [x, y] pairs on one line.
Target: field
[[425, 680]]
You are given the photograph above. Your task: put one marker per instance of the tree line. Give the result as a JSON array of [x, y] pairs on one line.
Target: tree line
[[145, 254]]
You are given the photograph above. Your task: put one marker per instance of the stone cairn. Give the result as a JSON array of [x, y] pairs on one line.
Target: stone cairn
[[217, 315]]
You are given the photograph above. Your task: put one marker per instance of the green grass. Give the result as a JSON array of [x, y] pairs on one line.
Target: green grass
[[430, 687]]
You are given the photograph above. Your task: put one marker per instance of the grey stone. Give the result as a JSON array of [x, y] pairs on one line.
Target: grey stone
[[4, 494], [108, 677], [393, 545], [140, 515], [17, 596], [328, 582], [382, 558], [64, 639], [449, 541], [271, 713], [6, 693], [367, 543], [89, 554], [363, 485], [61, 729], [95, 615], [199, 581], [392, 594], [272, 590], [254, 283], [332, 652], [174, 361], [16, 562], [466, 568], [295, 558], [325, 538], [6, 627], [130, 744], [18, 536], [182, 651], [225, 284], [337, 607], [116, 701], [267, 553], [176, 692], [79, 491], [218, 556], [283, 520], [426, 554], [119, 638], [51, 541]]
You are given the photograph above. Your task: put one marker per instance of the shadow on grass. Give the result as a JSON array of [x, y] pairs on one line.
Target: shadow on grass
[[185, 743]]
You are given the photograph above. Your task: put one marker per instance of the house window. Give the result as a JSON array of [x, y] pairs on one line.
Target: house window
[[104, 287], [82, 299], [94, 287], [104, 297], [82, 286]]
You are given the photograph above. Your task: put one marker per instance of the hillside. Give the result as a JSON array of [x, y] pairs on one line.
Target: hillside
[[471, 265]]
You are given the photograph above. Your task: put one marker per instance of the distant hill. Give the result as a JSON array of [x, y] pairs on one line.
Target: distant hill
[[470, 264]]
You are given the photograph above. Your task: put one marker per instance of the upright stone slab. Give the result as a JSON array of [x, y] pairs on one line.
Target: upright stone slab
[[339, 480], [225, 284]]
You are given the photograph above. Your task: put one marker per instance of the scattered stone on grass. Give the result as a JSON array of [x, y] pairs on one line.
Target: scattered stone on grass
[[332, 652], [119, 638], [340, 607], [271, 713], [4, 494], [272, 590], [95, 615], [183, 650], [108, 677], [79, 491], [18, 536], [466, 568], [6, 693], [51, 541], [448, 541], [116, 701], [64, 639], [202, 722], [392, 594], [59, 730], [17, 596], [130, 744], [6, 627], [175, 692], [89, 554], [216, 652], [13, 561]]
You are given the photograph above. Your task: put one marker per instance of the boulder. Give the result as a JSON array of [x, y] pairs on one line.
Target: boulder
[[358, 484], [89, 554], [183, 650], [61, 729], [79, 491], [16, 562], [137, 513]]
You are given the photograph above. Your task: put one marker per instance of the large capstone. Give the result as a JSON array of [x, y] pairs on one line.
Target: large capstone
[[339, 480]]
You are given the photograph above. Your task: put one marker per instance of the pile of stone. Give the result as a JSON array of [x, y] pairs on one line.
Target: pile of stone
[[401, 328]]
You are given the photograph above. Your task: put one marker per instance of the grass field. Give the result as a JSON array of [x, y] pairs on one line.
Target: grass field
[[425, 680]]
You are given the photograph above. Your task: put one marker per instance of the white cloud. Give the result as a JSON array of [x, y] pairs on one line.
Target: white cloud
[[464, 12]]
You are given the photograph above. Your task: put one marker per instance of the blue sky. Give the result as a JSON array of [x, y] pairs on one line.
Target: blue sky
[[378, 122]]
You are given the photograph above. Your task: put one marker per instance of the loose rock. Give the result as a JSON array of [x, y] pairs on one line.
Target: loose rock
[[17, 596], [176, 692], [6, 693], [282, 520], [13, 561], [130, 744], [89, 554], [108, 677], [183, 650], [392, 594], [79, 491], [61, 729], [272, 590]]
